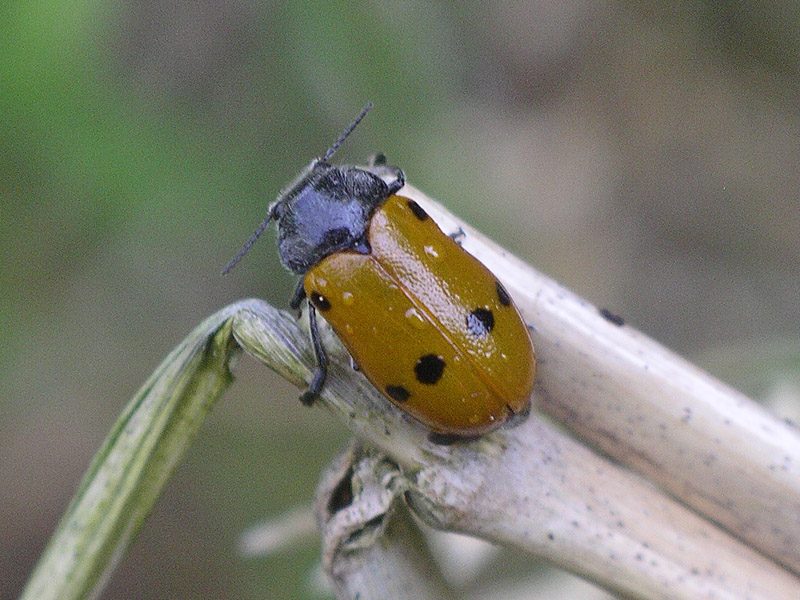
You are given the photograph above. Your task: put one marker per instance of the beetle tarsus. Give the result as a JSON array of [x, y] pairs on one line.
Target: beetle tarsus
[[318, 381], [444, 439], [298, 296], [377, 160], [458, 236], [399, 181]]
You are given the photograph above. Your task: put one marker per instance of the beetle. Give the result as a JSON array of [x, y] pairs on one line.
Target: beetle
[[427, 323]]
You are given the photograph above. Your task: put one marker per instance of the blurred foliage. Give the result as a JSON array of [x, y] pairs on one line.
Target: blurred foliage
[[645, 155]]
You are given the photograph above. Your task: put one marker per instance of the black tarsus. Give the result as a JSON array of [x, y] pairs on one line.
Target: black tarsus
[[399, 182], [377, 160], [298, 296], [447, 439], [321, 372], [458, 235]]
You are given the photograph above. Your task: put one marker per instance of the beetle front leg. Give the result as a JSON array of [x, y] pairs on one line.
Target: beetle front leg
[[379, 160], [399, 181], [321, 372], [298, 296]]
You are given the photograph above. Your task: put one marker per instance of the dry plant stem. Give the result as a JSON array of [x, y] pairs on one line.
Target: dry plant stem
[[372, 548], [707, 444], [533, 488], [544, 493]]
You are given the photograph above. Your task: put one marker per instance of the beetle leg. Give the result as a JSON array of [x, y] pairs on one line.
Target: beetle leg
[[321, 372], [399, 182], [298, 296], [377, 160], [518, 418], [458, 236], [445, 439]]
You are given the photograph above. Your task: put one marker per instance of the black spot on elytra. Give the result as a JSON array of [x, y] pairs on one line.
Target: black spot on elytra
[[480, 322], [502, 294], [320, 301], [429, 369], [418, 211], [397, 393]]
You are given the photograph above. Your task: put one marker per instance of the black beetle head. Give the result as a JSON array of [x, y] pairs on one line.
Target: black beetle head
[[325, 209]]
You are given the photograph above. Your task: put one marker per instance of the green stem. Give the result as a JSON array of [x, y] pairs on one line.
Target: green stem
[[136, 459]]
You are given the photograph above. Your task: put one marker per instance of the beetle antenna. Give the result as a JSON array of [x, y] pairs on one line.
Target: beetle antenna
[[347, 132], [229, 267], [247, 244]]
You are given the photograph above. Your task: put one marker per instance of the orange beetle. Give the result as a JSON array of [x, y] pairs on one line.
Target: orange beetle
[[428, 324]]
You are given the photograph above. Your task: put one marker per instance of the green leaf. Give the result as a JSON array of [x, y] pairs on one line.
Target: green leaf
[[135, 461]]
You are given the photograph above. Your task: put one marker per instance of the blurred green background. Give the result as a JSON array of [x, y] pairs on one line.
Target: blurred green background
[[647, 156]]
